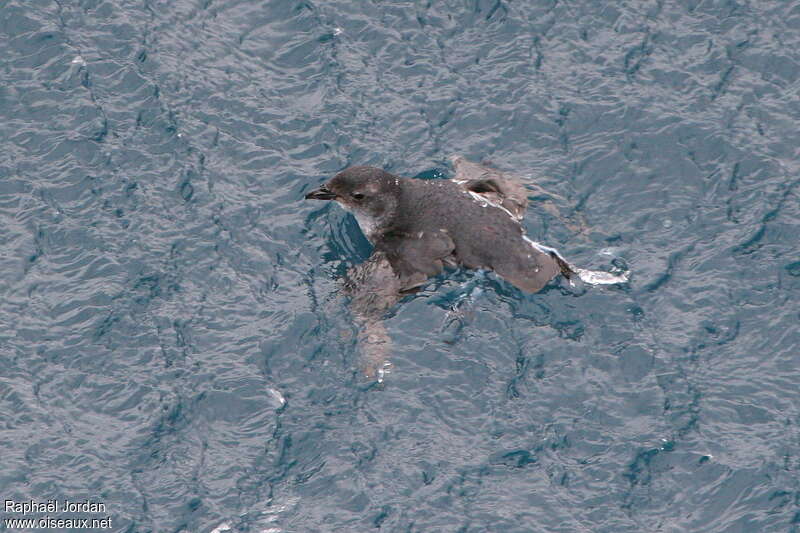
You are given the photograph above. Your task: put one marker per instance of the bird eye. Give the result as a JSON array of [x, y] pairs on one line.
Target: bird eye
[[357, 196]]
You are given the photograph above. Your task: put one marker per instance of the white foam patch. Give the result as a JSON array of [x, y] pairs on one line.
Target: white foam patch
[[383, 371], [277, 396], [600, 277], [592, 277]]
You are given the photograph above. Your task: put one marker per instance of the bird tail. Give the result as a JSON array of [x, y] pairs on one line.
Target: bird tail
[[568, 270]]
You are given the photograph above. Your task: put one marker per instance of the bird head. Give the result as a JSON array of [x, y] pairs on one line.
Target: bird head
[[366, 191]]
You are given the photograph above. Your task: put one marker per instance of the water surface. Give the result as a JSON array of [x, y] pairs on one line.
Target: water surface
[[174, 343]]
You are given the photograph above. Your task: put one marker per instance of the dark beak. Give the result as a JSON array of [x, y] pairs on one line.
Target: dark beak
[[323, 193]]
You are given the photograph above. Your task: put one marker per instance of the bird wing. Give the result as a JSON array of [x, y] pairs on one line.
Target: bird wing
[[373, 287], [493, 186], [415, 257]]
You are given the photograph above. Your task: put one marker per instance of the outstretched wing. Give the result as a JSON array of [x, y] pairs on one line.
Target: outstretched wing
[[400, 263], [492, 185], [373, 287], [416, 257]]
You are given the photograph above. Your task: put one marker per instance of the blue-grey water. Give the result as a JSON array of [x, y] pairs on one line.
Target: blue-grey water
[[173, 339]]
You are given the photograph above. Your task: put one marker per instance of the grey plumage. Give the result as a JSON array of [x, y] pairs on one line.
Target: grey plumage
[[420, 226]]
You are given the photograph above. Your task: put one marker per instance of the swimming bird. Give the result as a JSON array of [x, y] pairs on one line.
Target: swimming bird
[[418, 227]]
